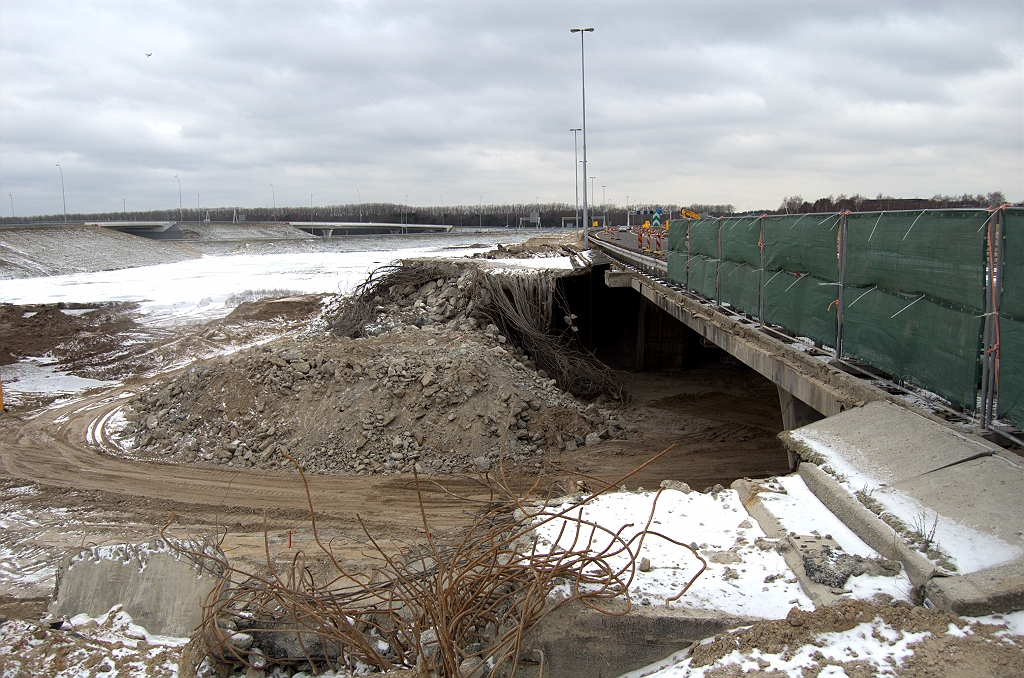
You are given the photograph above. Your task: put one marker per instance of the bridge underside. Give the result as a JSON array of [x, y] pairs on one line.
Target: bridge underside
[[633, 322]]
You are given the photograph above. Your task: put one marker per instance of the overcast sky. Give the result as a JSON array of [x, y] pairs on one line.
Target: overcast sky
[[728, 101]]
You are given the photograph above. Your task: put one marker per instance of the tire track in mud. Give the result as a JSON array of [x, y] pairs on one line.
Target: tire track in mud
[[64, 447]]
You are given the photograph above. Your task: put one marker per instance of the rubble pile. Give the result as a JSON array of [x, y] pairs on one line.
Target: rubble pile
[[429, 388]]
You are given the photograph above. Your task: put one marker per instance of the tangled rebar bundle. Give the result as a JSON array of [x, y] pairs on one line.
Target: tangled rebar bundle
[[522, 306], [457, 608]]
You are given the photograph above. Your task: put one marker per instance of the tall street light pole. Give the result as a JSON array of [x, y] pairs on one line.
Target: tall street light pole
[[583, 80], [62, 195], [180, 210], [311, 208], [576, 171], [604, 204], [273, 196]]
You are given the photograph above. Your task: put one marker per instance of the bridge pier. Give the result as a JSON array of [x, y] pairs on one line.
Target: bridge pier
[[795, 412]]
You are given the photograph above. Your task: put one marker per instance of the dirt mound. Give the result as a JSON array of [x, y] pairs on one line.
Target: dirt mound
[[305, 306], [439, 398], [951, 649], [38, 329]]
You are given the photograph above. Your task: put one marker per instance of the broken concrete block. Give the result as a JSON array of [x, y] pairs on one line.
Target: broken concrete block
[[161, 590]]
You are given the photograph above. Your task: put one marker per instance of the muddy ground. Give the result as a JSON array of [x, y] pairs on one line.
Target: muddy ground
[[210, 423], [91, 469]]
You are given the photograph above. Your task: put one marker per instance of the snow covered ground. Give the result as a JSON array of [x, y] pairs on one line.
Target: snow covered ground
[[872, 647], [111, 644], [209, 287], [744, 577], [799, 511], [42, 375], [206, 288]]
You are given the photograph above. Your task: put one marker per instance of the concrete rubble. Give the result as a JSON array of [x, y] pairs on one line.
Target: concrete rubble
[[431, 388]]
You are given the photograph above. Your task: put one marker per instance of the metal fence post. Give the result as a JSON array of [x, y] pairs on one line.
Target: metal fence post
[[841, 301], [718, 267], [988, 410], [760, 305]]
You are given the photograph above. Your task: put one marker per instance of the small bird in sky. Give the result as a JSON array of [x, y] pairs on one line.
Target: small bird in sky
[[150, 54]]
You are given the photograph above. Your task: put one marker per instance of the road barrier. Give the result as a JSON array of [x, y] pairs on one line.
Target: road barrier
[[931, 297]]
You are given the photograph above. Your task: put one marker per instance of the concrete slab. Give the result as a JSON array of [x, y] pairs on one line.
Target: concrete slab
[[998, 589], [161, 590], [891, 443], [986, 494], [949, 490]]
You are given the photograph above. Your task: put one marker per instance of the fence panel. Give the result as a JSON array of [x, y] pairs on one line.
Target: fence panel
[[740, 238], [677, 272], [1012, 303], [704, 237], [741, 286], [916, 340], [1011, 370], [939, 253], [702, 274], [803, 243], [804, 305], [677, 235]]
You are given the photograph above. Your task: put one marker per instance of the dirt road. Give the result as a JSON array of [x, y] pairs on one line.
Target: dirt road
[[719, 436]]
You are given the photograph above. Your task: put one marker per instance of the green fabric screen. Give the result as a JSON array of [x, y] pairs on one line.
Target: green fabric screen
[[928, 344], [704, 237], [1011, 370], [1012, 300], [677, 235], [801, 305], [740, 238], [741, 286], [938, 253], [702, 276], [677, 268], [803, 243]]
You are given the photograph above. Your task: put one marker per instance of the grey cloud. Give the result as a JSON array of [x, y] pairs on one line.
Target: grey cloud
[[731, 101]]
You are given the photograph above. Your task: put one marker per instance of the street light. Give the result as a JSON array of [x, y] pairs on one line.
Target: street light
[[592, 192], [274, 197], [310, 208], [481, 211], [576, 172], [199, 210], [180, 211], [583, 81], [62, 195], [604, 204], [442, 210]]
